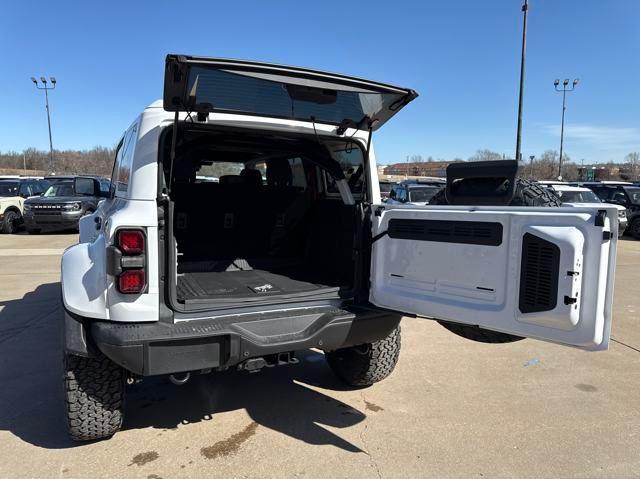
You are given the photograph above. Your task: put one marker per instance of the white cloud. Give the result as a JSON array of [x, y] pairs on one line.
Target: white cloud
[[599, 137]]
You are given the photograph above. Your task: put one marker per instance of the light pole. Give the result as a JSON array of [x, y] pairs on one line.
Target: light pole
[[525, 9], [564, 91], [46, 89], [531, 158]]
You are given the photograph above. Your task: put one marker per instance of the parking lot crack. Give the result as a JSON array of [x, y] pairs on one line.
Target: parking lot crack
[[365, 447], [633, 348]]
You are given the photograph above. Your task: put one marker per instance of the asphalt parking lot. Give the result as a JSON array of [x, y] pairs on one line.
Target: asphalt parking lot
[[453, 408]]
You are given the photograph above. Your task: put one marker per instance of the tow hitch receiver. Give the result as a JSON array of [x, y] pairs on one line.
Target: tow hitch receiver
[[256, 364]]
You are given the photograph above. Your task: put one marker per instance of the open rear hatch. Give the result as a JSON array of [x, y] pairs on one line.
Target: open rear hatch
[[203, 85]]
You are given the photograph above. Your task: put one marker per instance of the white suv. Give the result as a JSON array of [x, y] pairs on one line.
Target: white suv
[[292, 247]]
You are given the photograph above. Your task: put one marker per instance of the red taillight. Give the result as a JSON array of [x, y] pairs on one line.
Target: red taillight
[[131, 241], [131, 281]]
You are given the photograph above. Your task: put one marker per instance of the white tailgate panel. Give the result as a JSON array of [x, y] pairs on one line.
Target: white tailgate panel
[[480, 284]]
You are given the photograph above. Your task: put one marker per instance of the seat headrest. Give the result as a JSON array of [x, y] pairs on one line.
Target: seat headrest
[[231, 180], [279, 173], [253, 177]]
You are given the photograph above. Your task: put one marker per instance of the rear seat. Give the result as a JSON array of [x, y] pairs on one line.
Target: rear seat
[[241, 218]]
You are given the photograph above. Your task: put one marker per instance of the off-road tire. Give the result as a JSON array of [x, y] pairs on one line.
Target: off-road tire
[[94, 397], [11, 222], [634, 229], [366, 364], [527, 193]]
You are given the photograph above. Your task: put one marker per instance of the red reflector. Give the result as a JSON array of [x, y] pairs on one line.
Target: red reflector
[[131, 281], [131, 241]]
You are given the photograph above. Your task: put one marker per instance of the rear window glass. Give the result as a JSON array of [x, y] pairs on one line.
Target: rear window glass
[[277, 96], [422, 195]]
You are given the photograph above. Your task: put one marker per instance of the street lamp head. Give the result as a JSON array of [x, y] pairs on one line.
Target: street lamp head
[[53, 80], [43, 80], [565, 82], [33, 79], [556, 82], [532, 157], [575, 82]]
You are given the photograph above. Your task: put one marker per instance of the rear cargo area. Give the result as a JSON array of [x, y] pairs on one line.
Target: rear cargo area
[[265, 227]]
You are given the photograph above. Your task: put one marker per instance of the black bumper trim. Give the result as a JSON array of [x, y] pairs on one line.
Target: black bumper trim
[[149, 349]]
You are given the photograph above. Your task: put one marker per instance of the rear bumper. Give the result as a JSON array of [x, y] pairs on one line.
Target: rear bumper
[[156, 348]]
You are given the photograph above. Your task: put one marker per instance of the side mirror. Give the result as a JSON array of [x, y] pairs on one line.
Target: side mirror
[[86, 186]]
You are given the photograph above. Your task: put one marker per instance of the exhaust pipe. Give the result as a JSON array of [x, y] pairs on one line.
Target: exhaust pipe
[[180, 379]]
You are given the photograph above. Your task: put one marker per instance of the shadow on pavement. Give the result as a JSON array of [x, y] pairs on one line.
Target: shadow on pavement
[[282, 399], [31, 402], [31, 368]]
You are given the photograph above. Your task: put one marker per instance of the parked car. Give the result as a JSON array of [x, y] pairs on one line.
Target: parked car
[[621, 194], [13, 193], [582, 196], [385, 188], [61, 206], [412, 194], [172, 276]]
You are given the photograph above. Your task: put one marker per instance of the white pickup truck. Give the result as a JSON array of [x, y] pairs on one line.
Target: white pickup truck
[[292, 248]]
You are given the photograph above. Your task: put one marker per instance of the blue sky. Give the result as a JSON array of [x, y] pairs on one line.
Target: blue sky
[[461, 56]]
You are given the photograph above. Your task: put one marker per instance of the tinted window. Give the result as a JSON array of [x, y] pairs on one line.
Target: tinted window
[[105, 185], [124, 167], [84, 186], [602, 191], [274, 96], [422, 195], [25, 189], [60, 188], [39, 186], [385, 187], [9, 188], [634, 194]]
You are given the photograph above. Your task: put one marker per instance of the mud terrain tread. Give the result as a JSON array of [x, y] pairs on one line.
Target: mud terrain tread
[[527, 193], [94, 397], [367, 364]]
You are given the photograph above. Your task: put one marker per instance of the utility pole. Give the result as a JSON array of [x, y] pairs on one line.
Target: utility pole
[[525, 9], [564, 91], [46, 89]]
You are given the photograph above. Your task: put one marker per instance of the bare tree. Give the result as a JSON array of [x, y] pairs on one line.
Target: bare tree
[[485, 155], [633, 162]]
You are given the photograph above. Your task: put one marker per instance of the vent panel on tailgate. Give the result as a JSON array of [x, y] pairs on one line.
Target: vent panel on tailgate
[[444, 231], [539, 271]]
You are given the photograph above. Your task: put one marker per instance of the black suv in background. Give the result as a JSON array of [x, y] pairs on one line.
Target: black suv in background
[[624, 195], [62, 205]]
